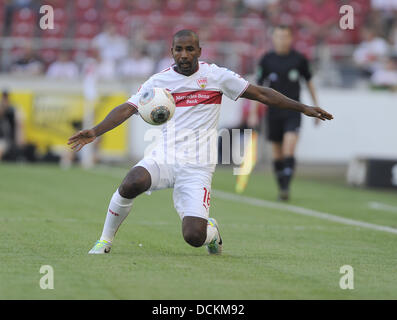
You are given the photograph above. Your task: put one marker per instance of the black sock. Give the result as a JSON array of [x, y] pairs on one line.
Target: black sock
[[289, 168], [278, 167]]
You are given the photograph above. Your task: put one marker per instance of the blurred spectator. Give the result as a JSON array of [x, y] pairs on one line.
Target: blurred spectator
[[386, 77], [100, 69], [393, 38], [370, 52], [12, 144], [111, 45], [63, 68], [138, 65], [28, 64]]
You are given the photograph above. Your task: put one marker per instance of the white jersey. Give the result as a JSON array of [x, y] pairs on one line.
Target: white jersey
[[191, 135]]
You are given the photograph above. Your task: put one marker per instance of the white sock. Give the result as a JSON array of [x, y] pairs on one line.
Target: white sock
[[118, 210], [211, 233]]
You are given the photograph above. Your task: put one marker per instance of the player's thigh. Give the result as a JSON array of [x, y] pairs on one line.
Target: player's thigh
[[192, 193]]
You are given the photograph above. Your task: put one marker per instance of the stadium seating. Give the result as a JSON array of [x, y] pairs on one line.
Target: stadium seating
[[81, 20]]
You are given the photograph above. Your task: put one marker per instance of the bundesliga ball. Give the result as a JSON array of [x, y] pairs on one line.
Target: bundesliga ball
[[156, 106]]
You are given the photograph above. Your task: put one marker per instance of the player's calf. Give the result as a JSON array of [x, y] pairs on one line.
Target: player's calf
[[194, 230]]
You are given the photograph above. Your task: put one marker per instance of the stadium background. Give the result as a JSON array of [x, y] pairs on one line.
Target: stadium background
[[234, 34]]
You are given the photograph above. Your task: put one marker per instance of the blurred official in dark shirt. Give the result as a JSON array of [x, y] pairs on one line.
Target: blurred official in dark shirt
[[282, 69]]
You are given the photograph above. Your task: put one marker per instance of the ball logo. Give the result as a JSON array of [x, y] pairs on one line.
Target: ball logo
[[146, 97], [202, 82]]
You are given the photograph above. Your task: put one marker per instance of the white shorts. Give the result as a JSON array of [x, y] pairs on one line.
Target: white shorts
[[192, 186]]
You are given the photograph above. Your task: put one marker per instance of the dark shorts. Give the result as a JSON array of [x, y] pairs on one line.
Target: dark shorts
[[276, 127]]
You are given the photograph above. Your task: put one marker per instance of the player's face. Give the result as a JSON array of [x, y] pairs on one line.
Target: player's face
[[186, 52], [282, 40]]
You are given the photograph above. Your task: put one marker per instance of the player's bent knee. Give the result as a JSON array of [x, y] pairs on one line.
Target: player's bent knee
[[136, 182]]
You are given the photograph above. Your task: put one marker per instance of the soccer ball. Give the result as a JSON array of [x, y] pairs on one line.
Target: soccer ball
[[156, 106]]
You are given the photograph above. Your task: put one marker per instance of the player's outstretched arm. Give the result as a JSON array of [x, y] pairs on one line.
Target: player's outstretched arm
[[115, 117], [276, 99]]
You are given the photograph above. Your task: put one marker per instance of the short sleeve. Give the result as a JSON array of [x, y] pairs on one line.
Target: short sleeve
[[305, 69], [230, 83], [134, 99]]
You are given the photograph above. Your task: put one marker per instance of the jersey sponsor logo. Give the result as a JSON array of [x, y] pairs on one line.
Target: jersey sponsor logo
[[202, 82], [193, 98]]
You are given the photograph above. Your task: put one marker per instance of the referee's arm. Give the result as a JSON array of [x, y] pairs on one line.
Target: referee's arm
[[276, 99]]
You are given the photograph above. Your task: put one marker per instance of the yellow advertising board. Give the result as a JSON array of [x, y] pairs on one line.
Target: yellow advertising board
[[51, 118]]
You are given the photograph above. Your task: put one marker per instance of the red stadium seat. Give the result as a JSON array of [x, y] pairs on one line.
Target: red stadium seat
[[114, 5], [60, 15], [24, 15], [87, 15], [58, 3], [85, 4], [174, 7], [86, 30], [206, 8], [143, 7], [23, 30], [58, 32], [117, 16]]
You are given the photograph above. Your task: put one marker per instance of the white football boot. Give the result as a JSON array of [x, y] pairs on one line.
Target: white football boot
[[101, 247], [215, 246]]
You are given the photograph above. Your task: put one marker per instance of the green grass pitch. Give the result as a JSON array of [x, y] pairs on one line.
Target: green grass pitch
[[50, 216]]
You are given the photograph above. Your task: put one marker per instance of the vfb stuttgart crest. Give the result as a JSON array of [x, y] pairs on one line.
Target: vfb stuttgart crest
[[202, 82]]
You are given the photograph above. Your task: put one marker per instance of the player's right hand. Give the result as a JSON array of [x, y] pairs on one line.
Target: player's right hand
[[81, 138]]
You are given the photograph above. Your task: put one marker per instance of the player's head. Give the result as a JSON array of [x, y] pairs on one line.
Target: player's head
[[282, 39], [186, 51]]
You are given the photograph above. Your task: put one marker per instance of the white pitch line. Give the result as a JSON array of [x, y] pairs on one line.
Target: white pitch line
[[299, 210], [382, 206]]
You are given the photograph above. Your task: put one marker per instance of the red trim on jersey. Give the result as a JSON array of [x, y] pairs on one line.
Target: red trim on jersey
[[193, 98], [131, 104], [165, 70]]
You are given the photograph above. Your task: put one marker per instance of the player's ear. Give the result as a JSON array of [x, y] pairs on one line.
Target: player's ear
[[199, 53]]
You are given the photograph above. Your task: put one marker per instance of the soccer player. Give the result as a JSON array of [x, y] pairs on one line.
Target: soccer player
[[197, 88], [283, 68]]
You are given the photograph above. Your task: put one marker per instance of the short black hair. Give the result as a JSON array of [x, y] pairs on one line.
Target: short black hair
[[283, 27], [186, 33]]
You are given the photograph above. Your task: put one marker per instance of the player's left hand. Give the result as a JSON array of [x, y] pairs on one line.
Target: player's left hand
[[318, 113]]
